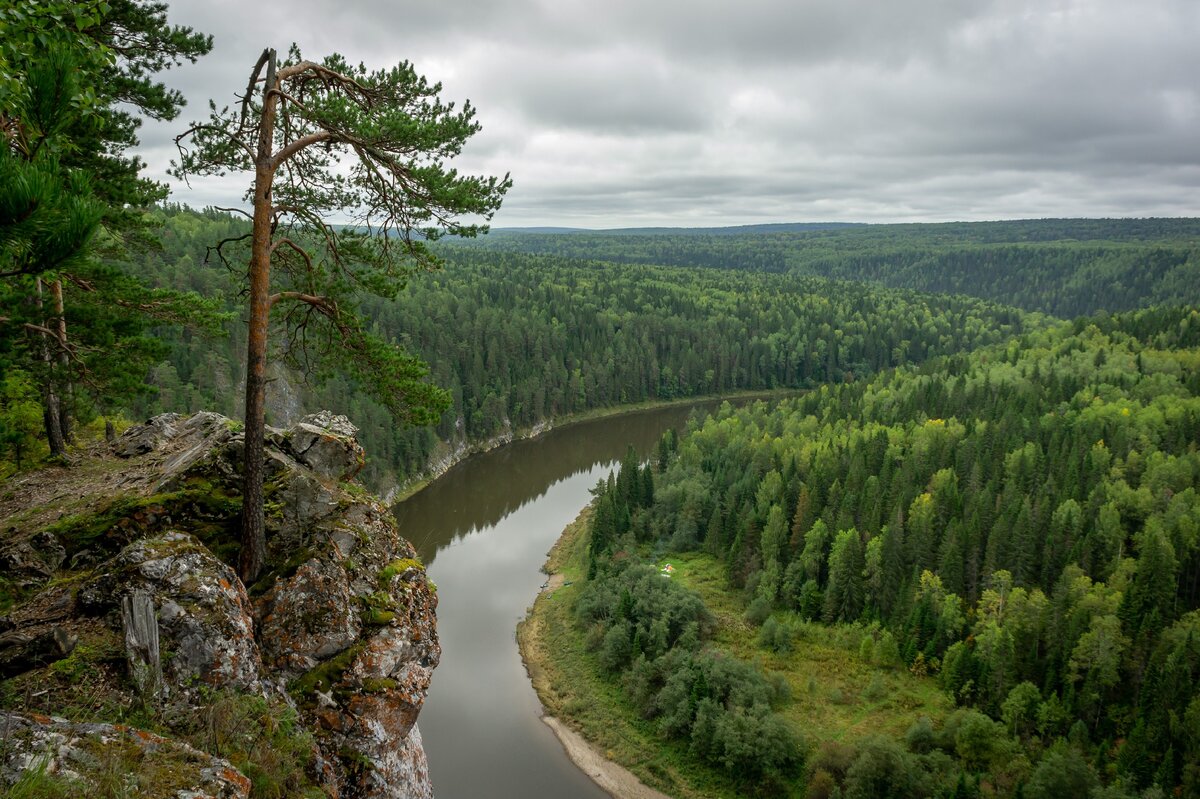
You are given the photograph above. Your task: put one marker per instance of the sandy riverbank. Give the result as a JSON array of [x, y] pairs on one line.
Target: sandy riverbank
[[618, 781]]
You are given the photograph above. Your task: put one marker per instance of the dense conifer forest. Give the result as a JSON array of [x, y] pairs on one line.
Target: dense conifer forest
[[1018, 523], [1064, 267], [523, 339]]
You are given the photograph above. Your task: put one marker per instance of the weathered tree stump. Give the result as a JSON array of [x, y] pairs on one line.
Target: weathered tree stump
[[141, 644]]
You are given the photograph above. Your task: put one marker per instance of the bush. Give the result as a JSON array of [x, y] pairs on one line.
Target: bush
[[776, 636], [875, 689], [882, 768], [759, 611]]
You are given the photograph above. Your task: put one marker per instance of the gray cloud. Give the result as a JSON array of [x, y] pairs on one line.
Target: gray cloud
[[709, 112]]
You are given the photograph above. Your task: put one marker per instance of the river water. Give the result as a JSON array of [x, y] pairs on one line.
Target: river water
[[483, 530]]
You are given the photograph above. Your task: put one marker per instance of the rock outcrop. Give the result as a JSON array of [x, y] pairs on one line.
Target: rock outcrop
[[120, 567]]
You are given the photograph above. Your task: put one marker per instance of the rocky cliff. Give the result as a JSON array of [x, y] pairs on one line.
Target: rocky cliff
[[131, 654]]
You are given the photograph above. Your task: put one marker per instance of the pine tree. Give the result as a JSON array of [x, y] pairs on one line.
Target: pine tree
[[395, 136], [845, 595]]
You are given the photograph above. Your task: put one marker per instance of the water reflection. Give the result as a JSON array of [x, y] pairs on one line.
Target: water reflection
[[479, 492], [483, 530]]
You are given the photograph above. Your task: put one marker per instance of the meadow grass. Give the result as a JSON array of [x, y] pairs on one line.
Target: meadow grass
[[835, 694]]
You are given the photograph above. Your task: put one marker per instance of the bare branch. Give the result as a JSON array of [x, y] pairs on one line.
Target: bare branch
[[254, 73], [219, 248], [301, 67], [241, 211], [296, 145]]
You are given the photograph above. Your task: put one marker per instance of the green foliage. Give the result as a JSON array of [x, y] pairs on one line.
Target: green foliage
[[520, 340], [1062, 774], [72, 78], [262, 738], [1034, 508], [20, 420], [651, 633], [1066, 267]]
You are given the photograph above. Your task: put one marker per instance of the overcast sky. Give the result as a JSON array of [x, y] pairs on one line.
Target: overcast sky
[[613, 113]]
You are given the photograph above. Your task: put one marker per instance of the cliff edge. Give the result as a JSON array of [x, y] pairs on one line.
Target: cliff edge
[[131, 654]]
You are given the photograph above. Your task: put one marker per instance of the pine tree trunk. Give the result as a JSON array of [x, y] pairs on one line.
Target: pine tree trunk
[[254, 541], [51, 413], [66, 399]]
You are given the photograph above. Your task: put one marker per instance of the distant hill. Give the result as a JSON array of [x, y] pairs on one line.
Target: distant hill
[[1065, 267], [736, 230]]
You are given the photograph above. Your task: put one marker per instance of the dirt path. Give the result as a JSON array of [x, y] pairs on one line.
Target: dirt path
[[618, 781]]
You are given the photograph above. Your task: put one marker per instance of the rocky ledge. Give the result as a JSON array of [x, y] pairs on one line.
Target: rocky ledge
[[131, 652]]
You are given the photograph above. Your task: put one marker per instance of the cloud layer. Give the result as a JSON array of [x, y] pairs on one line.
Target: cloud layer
[[702, 113]]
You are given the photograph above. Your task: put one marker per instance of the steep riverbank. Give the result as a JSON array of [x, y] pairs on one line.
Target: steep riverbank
[[458, 451], [131, 651]]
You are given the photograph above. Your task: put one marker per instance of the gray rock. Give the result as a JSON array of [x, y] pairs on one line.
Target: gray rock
[[204, 615], [78, 753], [32, 559], [148, 437], [343, 593], [309, 617], [326, 444]]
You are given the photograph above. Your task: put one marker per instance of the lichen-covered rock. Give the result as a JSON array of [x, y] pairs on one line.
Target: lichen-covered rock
[[309, 617], [340, 628], [143, 438], [32, 559], [326, 444], [400, 770], [150, 766], [204, 615]]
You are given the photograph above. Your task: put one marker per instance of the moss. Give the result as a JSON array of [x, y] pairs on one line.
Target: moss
[[280, 571], [379, 685], [98, 648], [326, 675], [378, 618], [10, 592], [399, 566], [355, 760], [212, 517]]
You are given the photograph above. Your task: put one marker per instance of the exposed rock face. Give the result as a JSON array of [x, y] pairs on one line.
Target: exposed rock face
[[80, 752], [204, 615], [341, 627]]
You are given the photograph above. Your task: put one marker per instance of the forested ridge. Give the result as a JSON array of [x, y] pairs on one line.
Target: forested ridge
[[522, 339], [1064, 267], [1021, 523]]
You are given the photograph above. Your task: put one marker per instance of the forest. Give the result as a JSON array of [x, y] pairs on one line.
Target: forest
[[521, 340], [1019, 523], [1063, 267], [957, 554], [969, 493]]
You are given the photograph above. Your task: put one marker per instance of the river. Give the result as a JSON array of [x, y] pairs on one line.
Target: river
[[483, 530]]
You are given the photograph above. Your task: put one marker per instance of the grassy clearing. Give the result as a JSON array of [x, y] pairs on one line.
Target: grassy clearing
[[836, 695]]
